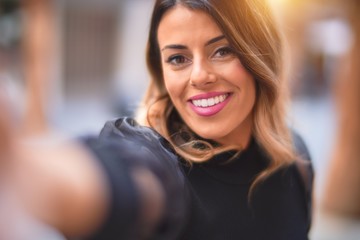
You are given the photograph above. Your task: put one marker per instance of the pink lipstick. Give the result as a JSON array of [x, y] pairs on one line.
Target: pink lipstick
[[209, 104]]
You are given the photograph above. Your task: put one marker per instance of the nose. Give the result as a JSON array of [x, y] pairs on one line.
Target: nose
[[201, 74]]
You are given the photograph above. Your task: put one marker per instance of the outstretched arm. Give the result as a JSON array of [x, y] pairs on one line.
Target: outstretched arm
[[67, 184], [60, 184]]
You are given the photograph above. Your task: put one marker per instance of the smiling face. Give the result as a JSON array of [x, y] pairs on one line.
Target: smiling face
[[209, 87]]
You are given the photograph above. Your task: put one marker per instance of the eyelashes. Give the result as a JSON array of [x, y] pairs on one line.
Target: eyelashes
[[177, 59], [224, 51], [219, 54]]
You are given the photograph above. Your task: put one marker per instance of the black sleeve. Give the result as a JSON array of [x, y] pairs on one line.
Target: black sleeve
[[157, 155], [122, 146], [123, 210]]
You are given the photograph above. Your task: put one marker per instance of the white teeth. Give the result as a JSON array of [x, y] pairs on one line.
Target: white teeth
[[204, 103], [210, 101]]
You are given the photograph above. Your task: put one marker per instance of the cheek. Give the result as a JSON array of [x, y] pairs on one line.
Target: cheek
[[242, 79], [169, 83], [174, 84], [239, 74]]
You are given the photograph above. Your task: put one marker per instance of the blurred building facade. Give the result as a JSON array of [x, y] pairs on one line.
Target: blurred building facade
[[97, 70]]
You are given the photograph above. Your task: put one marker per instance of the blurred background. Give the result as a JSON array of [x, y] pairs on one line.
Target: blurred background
[[92, 67]]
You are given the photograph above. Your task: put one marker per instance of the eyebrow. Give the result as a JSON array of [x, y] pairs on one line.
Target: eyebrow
[[214, 40], [179, 46]]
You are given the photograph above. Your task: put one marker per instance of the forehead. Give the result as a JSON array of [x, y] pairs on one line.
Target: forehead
[[181, 25]]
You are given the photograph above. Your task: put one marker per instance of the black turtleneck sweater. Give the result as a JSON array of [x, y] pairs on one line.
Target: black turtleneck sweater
[[222, 210], [219, 207]]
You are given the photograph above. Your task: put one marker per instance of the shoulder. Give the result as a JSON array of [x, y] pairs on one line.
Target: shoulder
[[303, 161], [305, 172], [124, 126], [128, 129], [144, 142], [300, 146]]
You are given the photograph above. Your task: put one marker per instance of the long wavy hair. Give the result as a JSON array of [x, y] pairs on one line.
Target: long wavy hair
[[252, 32]]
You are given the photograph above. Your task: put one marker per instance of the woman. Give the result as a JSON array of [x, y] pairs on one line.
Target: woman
[[217, 94]]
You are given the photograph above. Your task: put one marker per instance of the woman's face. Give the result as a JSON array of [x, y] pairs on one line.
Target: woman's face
[[207, 83]]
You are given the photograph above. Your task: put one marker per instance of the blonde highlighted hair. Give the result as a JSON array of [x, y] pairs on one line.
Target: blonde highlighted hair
[[251, 31]]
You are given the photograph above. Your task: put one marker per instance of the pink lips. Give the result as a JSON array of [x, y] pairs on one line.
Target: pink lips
[[211, 110]]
